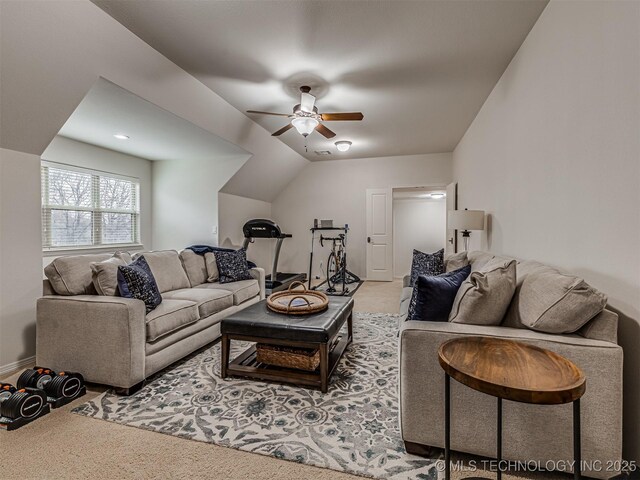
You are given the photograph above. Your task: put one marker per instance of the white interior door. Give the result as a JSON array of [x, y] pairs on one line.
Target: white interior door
[[379, 234], [451, 245]]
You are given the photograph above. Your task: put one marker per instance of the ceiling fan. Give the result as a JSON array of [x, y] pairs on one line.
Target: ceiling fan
[[306, 119]]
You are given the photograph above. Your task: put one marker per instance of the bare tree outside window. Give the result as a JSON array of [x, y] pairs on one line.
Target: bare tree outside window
[[83, 208]]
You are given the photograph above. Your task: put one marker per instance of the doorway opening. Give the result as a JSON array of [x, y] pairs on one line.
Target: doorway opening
[[419, 222]]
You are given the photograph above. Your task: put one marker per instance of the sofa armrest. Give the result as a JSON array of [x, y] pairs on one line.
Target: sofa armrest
[[258, 274], [101, 337], [406, 281]]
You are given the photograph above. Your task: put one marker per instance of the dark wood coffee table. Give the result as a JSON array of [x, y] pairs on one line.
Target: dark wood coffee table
[[512, 371], [259, 324]]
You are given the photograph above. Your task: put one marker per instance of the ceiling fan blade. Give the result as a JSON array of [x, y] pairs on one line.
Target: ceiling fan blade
[[332, 117], [282, 130], [270, 113], [307, 101], [320, 128]]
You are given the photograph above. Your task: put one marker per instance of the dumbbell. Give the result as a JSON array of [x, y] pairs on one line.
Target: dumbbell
[[56, 385], [16, 403]]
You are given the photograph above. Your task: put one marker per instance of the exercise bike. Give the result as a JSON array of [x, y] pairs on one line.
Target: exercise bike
[[337, 272]]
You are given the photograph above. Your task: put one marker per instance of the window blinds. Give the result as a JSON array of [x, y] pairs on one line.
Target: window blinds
[[84, 208]]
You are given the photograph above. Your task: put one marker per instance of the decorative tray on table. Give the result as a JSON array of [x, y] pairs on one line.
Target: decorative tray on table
[[298, 302]]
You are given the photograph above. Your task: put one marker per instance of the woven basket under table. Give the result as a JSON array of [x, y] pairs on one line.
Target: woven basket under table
[[288, 357]]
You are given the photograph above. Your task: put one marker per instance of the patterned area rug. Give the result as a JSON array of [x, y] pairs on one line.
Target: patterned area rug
[[352, 428]]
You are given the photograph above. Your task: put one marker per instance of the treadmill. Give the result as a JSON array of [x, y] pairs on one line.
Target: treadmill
[[263, 228]]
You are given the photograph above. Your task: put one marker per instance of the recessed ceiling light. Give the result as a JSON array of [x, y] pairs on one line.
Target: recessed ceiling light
[[343, 145], [437, 195], [121, 136]]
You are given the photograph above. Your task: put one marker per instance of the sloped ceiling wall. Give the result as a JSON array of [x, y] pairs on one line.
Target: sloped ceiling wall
[[53, 52]]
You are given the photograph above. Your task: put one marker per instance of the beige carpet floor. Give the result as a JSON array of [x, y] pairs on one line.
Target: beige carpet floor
[[63, 445]]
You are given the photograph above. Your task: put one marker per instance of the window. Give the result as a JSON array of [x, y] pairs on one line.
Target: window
[[84, 208]]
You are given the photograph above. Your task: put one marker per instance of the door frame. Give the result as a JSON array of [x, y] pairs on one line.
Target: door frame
[[438, 186]]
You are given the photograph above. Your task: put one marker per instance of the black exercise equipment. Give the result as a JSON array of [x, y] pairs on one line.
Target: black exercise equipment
[[337, 272], [60, 388], [19, 407], [263, 228]]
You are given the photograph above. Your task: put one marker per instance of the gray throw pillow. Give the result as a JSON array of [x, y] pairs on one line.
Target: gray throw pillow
[[105, 273], [553, 302], [456, 261], [484, 297], [212, 267]]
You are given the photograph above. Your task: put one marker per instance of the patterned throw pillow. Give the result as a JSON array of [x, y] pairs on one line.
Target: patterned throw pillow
[[232, 266], [433, 296], [426, 264], [136, 281]]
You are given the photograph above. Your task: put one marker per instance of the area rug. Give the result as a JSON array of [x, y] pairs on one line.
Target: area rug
[[352, 428]]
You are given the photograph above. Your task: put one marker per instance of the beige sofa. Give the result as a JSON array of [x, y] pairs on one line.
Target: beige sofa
[[110, 339], [530, 432]]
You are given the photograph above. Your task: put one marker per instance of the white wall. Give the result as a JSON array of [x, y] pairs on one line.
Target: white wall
[[418, 223], [336, 190], [233, 213], [71, 152], [20, 255], [553, 157], [185, 200]]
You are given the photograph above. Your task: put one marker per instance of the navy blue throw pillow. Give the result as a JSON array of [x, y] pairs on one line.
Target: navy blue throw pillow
[[433, 296], [136, 281], [232, 266], [426, 264], [202, 249]]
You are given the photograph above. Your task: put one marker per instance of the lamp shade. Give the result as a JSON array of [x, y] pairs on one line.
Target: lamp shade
[[465, 219]]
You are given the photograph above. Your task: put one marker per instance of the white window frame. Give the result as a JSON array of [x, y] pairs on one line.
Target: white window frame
[[95, 209]]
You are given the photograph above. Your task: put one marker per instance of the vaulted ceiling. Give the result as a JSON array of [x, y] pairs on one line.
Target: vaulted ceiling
[[418, 70]]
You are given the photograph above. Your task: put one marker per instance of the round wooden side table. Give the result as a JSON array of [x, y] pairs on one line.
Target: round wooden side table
[[514, 371]]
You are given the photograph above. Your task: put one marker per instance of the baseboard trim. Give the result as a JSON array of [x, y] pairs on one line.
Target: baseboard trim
[[12, 367]]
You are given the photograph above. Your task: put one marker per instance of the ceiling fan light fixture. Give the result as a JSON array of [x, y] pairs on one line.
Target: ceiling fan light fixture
[[304, 125], [343, 145]]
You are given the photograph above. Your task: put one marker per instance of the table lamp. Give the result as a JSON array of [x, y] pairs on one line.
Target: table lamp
[[465, 220]]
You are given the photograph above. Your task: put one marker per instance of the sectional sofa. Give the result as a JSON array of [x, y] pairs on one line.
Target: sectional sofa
[[531, 433], [111, 340]]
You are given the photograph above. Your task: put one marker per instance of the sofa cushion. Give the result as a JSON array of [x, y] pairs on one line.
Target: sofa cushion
[[105, 273], [479, 259], [167, 269], [170, 315], [523, 269], [209, 301], [485, 296], [194, 266], [213, 275], [426, 264], [553, 302], [232, 266], [242, 290], [136, 281], [72, 275], [433, 295], [455, 261]]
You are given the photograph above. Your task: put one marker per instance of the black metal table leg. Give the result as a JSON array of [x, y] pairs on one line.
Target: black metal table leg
[[499, 438], [577, 456], [447, 427]]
